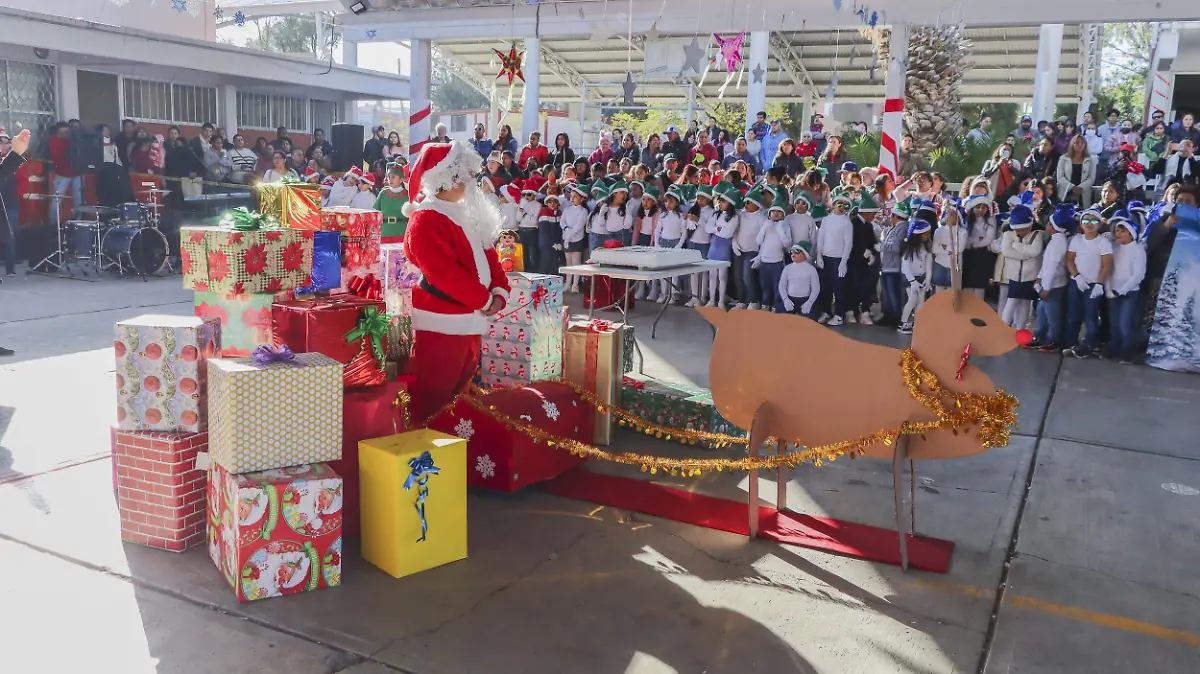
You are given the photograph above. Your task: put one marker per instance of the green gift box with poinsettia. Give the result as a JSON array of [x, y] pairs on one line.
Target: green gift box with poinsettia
[[667, 403], [227, 259]]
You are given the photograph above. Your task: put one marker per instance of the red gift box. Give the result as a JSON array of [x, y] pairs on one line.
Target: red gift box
[[366, 413], [160, 493], [608, 291], [361, 231], [506, 459], [319, 325], [276, 532]]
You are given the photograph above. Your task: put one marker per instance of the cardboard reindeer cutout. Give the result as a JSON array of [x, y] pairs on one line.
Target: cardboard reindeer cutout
[[788, 377]]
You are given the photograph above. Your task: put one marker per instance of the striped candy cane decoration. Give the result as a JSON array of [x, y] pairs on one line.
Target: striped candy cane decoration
[[418, 131], [889, 145]]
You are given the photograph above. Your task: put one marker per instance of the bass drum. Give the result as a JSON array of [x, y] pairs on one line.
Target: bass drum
[[142, 250]]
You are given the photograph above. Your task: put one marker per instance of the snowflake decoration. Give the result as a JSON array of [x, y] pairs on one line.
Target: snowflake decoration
[[218, 13], [194, 8], [122, 3], [372, 33], [526, 417], [464, 429], [485, 466], [239, 18], [551, 410], [179, 5]]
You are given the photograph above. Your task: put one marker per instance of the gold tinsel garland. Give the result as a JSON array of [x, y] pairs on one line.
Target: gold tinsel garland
[[994, 413]]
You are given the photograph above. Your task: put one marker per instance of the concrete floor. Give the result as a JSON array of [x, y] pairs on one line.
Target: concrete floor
[[1093, 510]]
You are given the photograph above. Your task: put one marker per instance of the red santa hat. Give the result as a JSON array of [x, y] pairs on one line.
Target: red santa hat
[[4, 134], [369, 179], [354, 172], [327, 183], [513, 191], [440, 166]]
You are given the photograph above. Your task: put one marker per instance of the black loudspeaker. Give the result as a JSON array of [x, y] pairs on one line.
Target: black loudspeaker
[[347, 142], [86, 151]]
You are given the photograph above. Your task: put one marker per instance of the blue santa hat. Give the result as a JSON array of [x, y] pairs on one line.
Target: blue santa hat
[[1063, 218], [916, 227], [1119, 220], [1020, 217]]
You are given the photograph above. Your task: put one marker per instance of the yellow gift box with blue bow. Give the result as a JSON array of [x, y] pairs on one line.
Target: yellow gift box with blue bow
[[413, 490]]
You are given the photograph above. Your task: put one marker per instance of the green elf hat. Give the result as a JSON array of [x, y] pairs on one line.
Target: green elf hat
[[598, 188], [842, 198], [801, 195], [650, 192], [639, 183], [619, 186], [903, 210], [395, 169], [776, 207], [755, 196], [773, 189], [675, 192], [705, 191], [866, 204], [580, 189], [728, 192], [802, 247], [687, 192]]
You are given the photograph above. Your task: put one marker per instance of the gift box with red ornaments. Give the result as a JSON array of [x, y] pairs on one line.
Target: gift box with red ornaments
[[162, 370], [276, 532], [507, 459], [160, 491]]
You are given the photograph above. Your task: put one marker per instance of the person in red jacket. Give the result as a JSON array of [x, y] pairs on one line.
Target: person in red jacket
[[451, 237], [534, 149], [60, 153], [9, 163], [703, 152]]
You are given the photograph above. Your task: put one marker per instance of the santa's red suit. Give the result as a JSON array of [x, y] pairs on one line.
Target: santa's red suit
[[452, 244]]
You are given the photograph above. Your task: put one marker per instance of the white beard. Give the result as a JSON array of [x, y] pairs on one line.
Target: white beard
[[478, 217]]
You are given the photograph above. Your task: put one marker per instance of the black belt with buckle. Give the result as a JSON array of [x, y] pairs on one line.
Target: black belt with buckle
[[428, 287]]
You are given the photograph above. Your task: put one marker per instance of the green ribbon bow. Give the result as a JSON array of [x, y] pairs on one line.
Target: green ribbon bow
[[245, 220], [373, 326], [287, 180]]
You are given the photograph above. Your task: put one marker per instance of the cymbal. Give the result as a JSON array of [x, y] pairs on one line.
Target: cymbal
[[43, 197], [99, 211]]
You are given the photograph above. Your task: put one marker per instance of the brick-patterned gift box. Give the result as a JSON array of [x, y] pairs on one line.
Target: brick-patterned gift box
[[160, 492]]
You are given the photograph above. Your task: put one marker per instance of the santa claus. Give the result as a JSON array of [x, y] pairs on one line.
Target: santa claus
[[451, 235]]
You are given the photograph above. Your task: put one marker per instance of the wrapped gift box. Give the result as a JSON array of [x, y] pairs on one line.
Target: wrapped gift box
[[592, 358], [274, 415], [506, 459], [399, 278], [245, 319], [226, 260], [414, 501], [367, 413], [606, 291], [531, 296], [162, 372], [667, 403], [360, 230], [276, 532], [321, 325], [160, 491], [295, 205], [629, 349]]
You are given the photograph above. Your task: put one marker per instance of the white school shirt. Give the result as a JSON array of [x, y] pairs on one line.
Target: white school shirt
[[1128, 269], [835, 236], [919, 264], [573, 221], [981, 234], [509, 215], [647, 223], [527, 213], [363, 200], [747, 234], [700, 234], [726, 229], [596, 221], [800, 279], [1054, 262], [774, 240], [615, 223], [803, 227], [1088, 253], [945, 240], [670, 226]]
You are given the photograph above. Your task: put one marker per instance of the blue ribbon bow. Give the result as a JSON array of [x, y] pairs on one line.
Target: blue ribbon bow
[[269, 354], [422, 467]]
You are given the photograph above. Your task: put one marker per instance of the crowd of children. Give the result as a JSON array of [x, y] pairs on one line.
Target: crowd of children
[[866, 251]]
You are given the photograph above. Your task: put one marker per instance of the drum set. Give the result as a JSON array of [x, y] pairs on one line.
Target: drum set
[[130, 240]]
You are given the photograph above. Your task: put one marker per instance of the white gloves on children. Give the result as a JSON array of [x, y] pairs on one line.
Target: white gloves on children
[[1081, 283], [819, 262], [1097, 290], [789, 304]]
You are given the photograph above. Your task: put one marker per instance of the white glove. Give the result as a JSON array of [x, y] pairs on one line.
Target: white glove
[[842, 268], [737, 250], [1081, 283], [789, 304], [558, 246], [819, 262], [870, 257], [1097, 290], [808, 306], [1037, 287], [754, 263]]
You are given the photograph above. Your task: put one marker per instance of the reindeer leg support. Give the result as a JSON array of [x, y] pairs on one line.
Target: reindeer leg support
[[898, 460], [758, 435]]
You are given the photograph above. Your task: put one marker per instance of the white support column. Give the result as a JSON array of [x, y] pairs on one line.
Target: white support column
[[691, 111], [420, 108], [756, 92], [493, 123], [319, 33], [532, 70], [809, 108], [893, 101], [349, 53], [1089, 65], [1045, 79], [229, 109], [68, 93]]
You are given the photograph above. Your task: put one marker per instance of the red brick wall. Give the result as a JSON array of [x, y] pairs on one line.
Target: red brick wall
[[160, 493]]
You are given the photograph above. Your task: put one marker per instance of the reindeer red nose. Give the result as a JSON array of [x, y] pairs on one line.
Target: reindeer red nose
[[1024, 337]]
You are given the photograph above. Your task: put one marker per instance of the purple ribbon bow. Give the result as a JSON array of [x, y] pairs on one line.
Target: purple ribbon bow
[[272, 354]]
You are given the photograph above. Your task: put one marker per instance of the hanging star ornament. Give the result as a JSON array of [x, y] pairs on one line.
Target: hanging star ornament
[[731, 50], [218, 13], [652, 34], [510, 64], [693, 54], [628, 87], [758, 73]]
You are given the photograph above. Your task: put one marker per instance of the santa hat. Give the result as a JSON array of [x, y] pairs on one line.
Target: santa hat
[[327, 183], [1120, 221], [1020, 217], [512, 191], [4, 134], [439, 167], [579, 188], [1063, 218], [552, 197], [916, 227], [369, 179], [977, 200]]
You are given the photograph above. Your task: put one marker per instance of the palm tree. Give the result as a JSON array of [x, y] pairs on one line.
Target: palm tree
[[937, 64]]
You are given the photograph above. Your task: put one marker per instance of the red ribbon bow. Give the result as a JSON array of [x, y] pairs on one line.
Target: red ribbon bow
[[539, 295], [1136, 168], [598, 325], [633, 383], [367, 287]]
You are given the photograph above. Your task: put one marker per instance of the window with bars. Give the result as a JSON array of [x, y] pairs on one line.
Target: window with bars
[[28, 99], [151, 101], [458, 123], [269, 112]]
